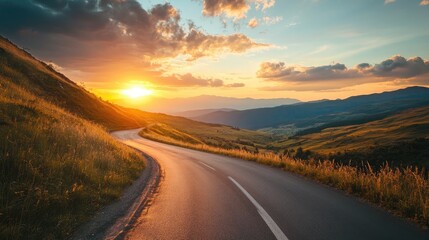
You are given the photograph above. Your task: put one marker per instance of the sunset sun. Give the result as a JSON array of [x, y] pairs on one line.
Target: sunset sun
[[136, 92]]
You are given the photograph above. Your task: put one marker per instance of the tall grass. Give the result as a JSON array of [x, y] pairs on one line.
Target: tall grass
[[404, 191], [56, 169]]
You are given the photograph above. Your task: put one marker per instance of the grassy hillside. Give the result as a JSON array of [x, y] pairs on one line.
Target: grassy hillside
[[41, 80], [56, 169], [210, 134], [403, 133], [405, 126]]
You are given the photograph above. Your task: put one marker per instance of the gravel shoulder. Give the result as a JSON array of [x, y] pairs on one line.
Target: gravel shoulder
[[113, 221]]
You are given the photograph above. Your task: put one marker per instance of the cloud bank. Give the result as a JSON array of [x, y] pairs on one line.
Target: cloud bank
[[93, 34], [412, 70], [156, 32]]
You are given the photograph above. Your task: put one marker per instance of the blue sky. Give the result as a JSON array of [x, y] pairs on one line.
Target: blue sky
[[319, 32]]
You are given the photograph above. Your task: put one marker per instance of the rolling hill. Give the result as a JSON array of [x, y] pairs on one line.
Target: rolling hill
[[402, 138], [200, 112], [40, 79], [408, 125], [315, 116]]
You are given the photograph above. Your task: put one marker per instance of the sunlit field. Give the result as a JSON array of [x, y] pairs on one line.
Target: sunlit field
[[404, 191]]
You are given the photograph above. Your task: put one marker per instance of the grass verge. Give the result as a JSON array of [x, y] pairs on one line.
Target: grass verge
[[405, 191]]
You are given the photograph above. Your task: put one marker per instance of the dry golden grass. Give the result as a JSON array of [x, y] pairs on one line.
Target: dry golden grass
[[56, 169], [403, 191]]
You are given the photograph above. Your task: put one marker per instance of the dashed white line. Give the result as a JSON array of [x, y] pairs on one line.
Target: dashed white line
[[268, 220], [208, 166]]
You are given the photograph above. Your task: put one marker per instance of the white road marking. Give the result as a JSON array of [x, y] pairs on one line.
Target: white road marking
[[208, 166], [268, 220]]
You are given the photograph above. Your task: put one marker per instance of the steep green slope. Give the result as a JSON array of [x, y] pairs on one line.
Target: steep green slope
[[56, 169]]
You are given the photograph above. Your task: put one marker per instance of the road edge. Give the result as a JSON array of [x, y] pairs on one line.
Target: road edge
[[114, 220]]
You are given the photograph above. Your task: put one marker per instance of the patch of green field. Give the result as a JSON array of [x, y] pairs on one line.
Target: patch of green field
[[406, 126], [193, 132]]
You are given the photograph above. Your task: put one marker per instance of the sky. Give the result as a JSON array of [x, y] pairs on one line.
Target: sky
[[304, 49]]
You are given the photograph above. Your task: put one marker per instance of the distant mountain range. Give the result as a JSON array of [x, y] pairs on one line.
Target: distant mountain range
[[208, 103], [314, 116], [197, 113]]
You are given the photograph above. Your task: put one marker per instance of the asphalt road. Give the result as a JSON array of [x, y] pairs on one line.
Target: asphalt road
[[207, 196]]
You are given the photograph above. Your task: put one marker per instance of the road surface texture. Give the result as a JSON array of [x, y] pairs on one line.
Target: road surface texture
[[208, 196]]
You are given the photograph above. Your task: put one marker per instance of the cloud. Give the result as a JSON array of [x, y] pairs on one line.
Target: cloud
[[156, 33], [281, 72], [201, 45], [264, 4], [230, 8], [95, 36], [396, 68], [253, 23], [236, 85], [272, 20], [236, 9], [188, 80], [422, 2], [399, 67]]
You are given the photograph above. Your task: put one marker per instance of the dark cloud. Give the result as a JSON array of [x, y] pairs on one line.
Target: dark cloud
[[363, 66], [53, 4], [94, 35], [400, 67], [413, 70], [157, 33], [281, 72]]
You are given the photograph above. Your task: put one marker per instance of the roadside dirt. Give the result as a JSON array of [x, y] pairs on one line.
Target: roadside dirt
[[113, 221]]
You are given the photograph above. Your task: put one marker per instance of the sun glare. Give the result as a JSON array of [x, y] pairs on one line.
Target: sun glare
[[136, 92]]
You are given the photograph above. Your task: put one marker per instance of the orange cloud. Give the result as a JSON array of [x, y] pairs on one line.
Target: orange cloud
[[231, 8], [105, 39], [199, 45], [156, 33], [253, 23], [236, 9]]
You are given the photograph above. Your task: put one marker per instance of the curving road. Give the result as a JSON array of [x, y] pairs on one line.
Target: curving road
[[207, 196]]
